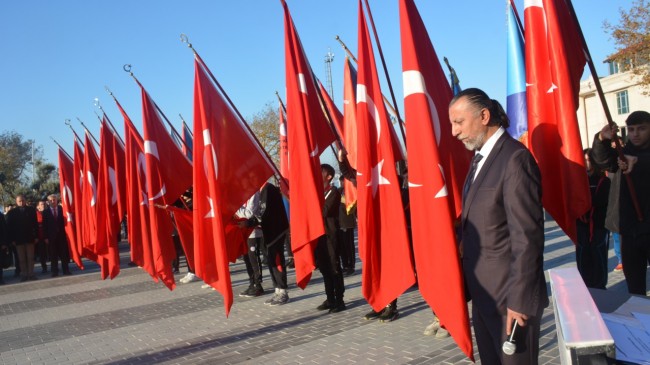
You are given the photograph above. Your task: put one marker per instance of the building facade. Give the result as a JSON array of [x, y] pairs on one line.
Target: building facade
[[623, 94]]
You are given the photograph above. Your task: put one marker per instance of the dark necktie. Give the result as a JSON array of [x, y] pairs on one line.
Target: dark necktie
[[470, 175], [54, 212]]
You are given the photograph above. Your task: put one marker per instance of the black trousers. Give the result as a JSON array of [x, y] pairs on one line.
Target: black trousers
[[635, 252], [41, 250], [346, 247], [59, 252], [276, 263], [490, 334], [327, 259], [253, 261], [591, 256]]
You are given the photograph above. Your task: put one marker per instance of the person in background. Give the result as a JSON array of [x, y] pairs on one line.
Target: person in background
[[347, 224], [22, 227], [41, 246], [593, 243], [634, 226]]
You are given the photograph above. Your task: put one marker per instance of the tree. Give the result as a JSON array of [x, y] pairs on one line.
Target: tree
[[15, 155], [265, 125], [632, 37], [46, 180]]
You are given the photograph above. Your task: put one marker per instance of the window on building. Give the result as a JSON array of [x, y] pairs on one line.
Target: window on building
[[622, 102], [613, 67]]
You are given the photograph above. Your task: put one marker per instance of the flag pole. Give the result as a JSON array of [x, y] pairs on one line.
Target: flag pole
[[87, 131], [62, 149], [349, 53], [127, 69], [284, 108], [383, 62], [67, 122], [608, 115], [517, 18], [185, 125], [97, 104], [185, 39]]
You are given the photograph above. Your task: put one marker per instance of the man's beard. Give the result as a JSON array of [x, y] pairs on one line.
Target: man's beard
[[476, 143]]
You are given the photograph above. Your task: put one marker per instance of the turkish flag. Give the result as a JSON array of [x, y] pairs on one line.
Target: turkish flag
[[435, 182], [284, 151], [168, 175], [308, 136], [334, 112], [383, 240], [350, 128], [229, 167], [89, 200], [77, 180], [108, 219], [66, 182], [137, 209], [554, 65]]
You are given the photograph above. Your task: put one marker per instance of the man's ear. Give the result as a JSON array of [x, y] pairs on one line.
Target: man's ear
[[485, 116]]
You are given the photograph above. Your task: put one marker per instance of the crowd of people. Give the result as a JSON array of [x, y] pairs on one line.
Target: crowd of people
[[29, 232], [500, 232]]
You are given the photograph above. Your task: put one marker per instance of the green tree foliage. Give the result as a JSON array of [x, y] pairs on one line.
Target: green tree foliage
[[18, 175], [632, 37], [265, 125]]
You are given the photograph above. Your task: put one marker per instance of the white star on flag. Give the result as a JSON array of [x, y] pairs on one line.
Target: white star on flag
[[376, 178]]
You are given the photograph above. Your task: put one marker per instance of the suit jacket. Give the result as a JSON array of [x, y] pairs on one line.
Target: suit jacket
[[331, 211], [503, 233], [22, 225], [54, 227]]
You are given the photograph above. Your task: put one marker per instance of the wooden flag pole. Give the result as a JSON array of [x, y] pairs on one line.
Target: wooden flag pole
[[608, 115], [386, 101]]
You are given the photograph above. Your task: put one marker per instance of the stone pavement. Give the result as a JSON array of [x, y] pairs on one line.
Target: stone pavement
[[81, 319]]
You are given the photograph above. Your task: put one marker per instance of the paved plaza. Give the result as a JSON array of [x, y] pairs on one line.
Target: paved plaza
[[81, 319]]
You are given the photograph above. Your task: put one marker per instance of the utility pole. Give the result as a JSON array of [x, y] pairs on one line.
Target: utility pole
[[329, 58]]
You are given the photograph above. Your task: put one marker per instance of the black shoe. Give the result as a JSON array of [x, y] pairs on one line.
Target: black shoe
[[16, 273], [389, 314], [2, 282], [247, 293], [44, 270], [257, 291], [33, 277], [132, 264], [348, 272], [372, 315], [338, 308], [291, 264], [324, 306], [67, 272], [55, 274]]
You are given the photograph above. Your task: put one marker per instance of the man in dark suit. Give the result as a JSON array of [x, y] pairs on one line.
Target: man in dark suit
[[502, 231], [327, 253], [54, 222]]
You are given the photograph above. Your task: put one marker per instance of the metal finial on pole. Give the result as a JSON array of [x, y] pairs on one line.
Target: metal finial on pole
[[61, 148], [68, 122], [284, 108]]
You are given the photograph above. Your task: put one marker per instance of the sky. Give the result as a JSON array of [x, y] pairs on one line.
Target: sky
[[56, 57]]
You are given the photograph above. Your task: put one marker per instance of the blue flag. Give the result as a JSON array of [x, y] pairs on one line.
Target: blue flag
[[516, 90]]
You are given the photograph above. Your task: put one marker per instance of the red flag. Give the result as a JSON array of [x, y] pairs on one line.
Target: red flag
[[108, 219], [185, 228], [284, 151], [308, 136], [66, 182], [229, 167], [78, 175], [387, 267], [169, 174], [89, 200], [554, 65], [350, 128], [433, 179], [334, 112], [137, 210]]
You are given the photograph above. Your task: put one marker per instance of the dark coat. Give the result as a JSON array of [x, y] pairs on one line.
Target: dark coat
[[503, 233], [22, 225], [273, 217], [606, 157]]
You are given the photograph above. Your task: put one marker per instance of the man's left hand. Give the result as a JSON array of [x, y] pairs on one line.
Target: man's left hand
[[511, 316]]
